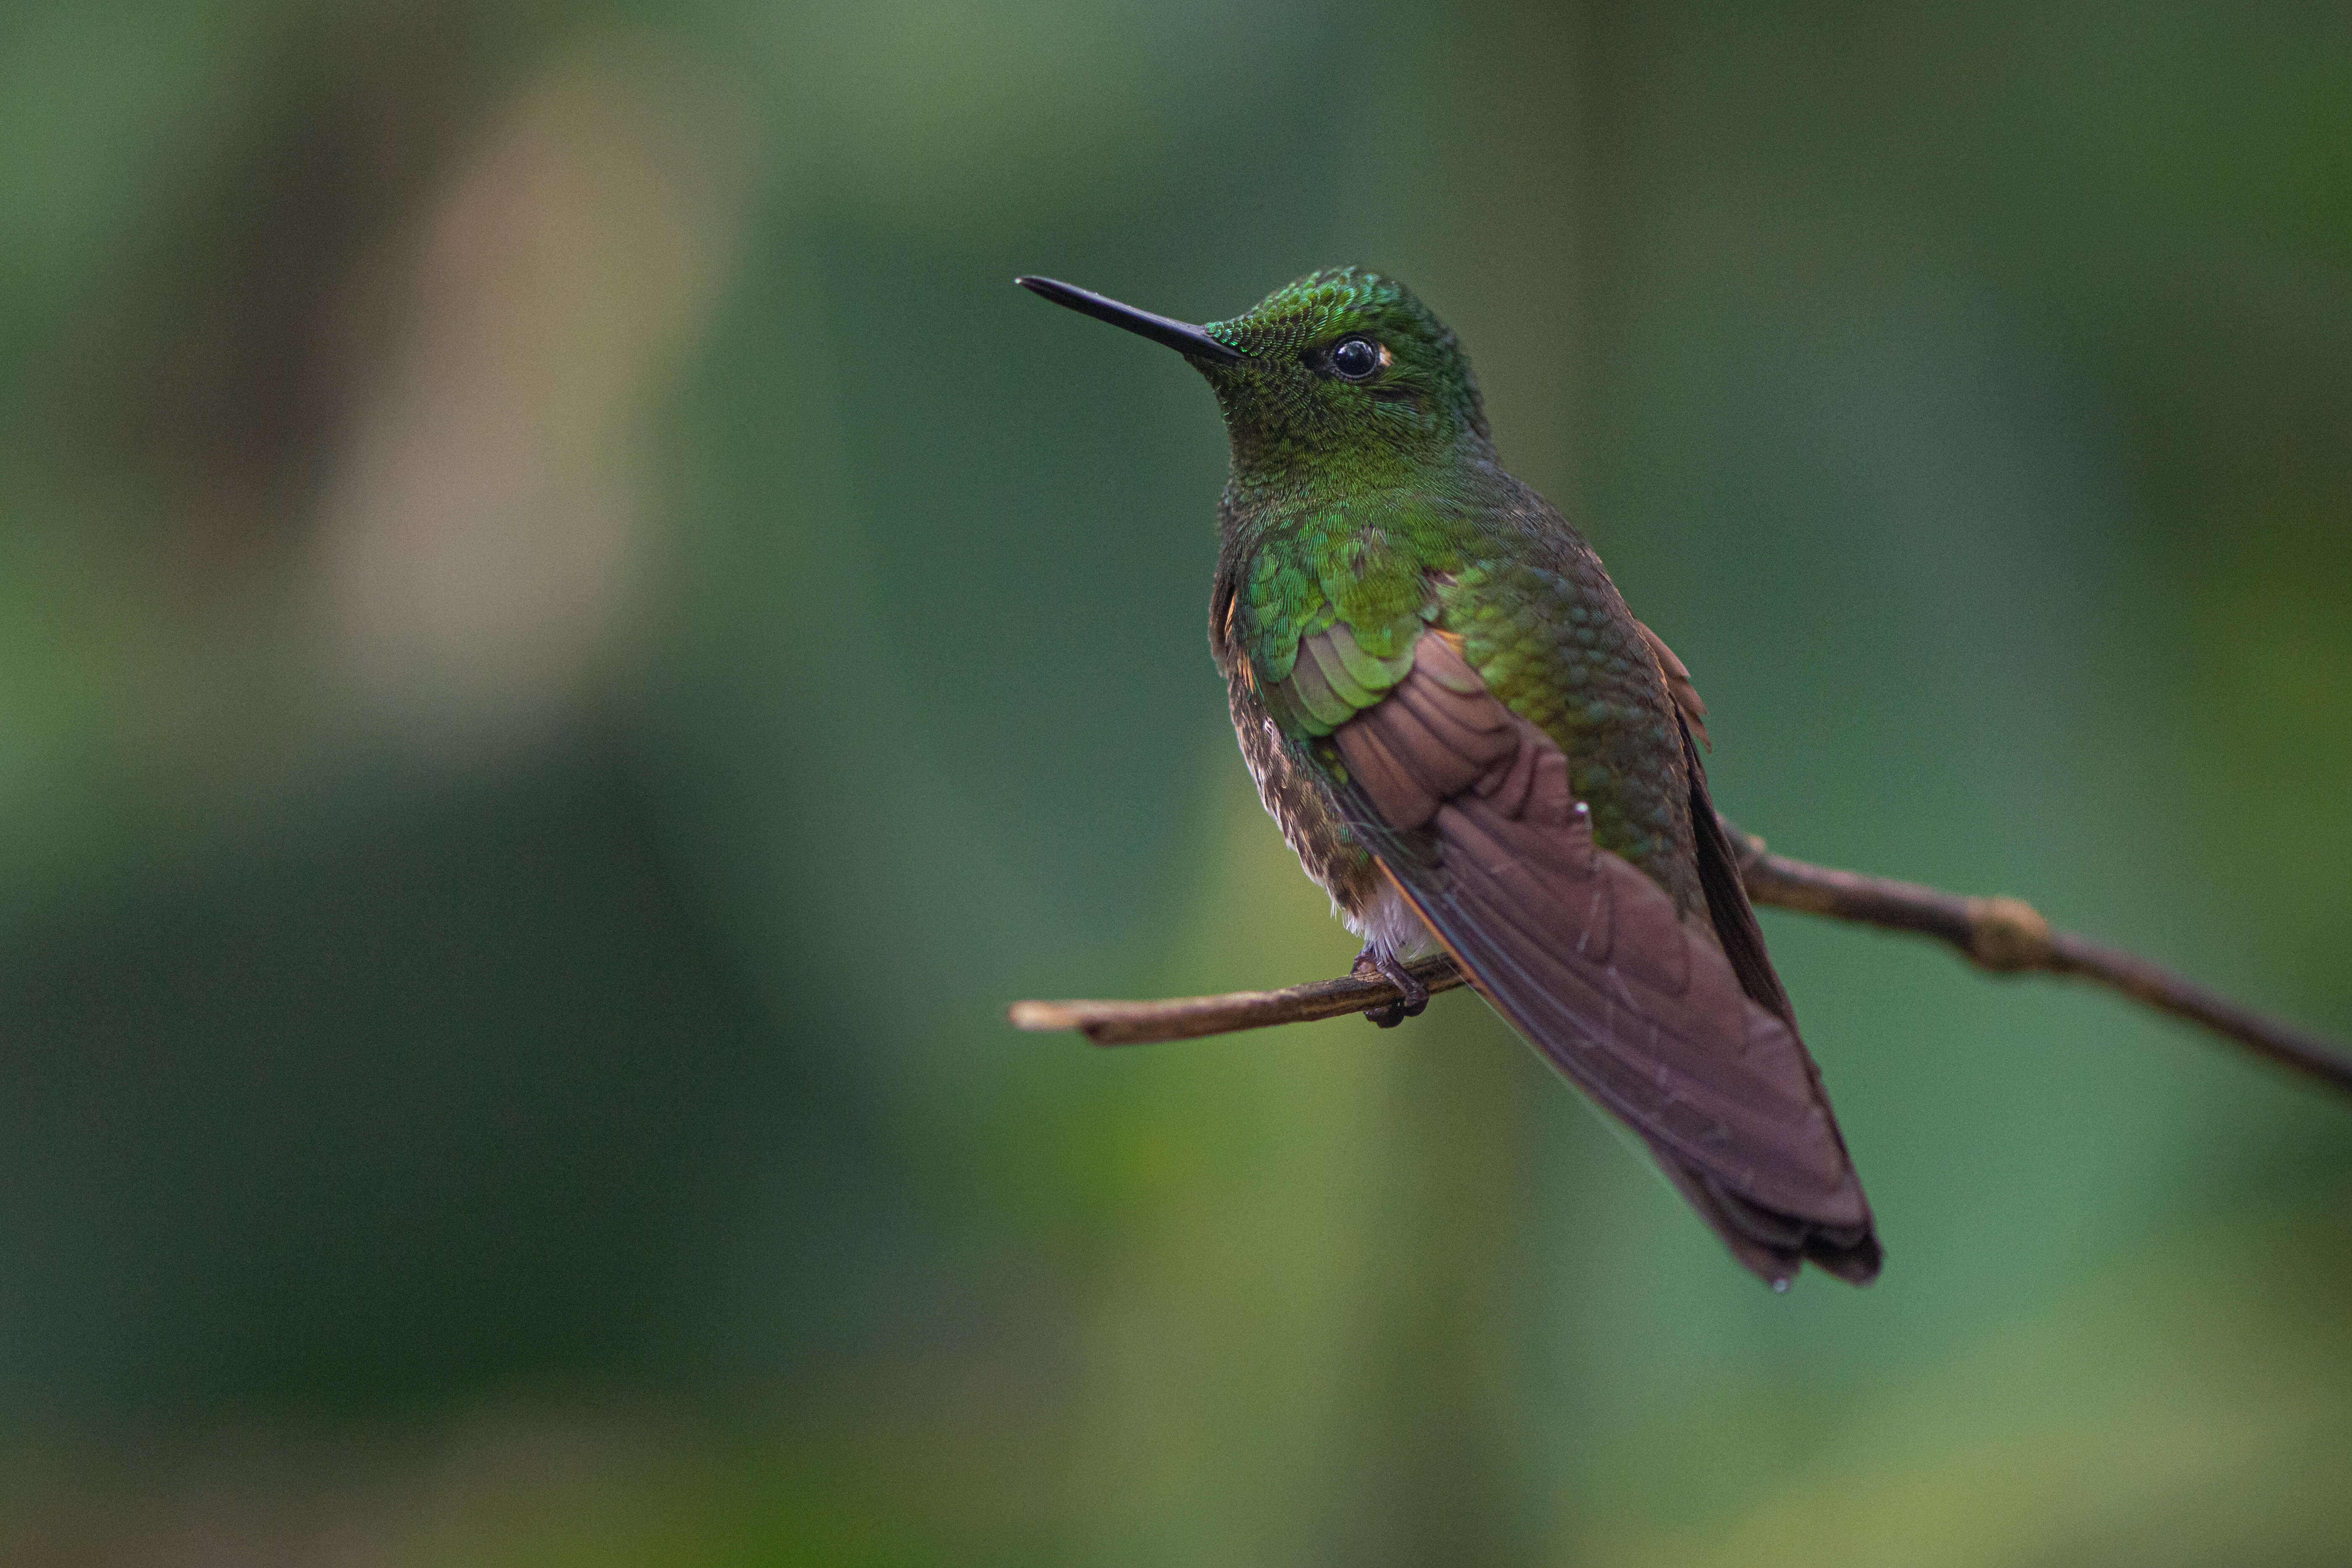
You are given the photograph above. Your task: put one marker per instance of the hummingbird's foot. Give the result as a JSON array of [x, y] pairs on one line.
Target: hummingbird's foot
[[1389, 1015]]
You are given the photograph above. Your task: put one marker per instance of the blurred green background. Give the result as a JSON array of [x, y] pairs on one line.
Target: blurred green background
[[570, 641]]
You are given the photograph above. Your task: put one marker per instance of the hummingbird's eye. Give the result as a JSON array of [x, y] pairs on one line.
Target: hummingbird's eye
[[1355, 358]]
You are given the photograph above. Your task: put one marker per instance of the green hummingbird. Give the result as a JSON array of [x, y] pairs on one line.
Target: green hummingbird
[[1471, 743]]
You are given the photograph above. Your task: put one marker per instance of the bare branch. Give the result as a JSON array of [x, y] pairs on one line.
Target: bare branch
[[1190, 1017], [2006, 935]]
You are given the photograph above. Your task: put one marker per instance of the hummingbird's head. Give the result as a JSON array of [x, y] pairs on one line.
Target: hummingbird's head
[[1342, 372]]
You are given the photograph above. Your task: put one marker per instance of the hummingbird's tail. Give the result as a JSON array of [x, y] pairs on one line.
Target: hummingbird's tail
[[1849, 1252], [1771, 1243]]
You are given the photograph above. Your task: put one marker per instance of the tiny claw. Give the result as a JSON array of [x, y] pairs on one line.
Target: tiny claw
[[1389, 1015]]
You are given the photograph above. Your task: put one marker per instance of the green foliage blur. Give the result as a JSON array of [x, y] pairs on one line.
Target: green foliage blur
[[568, 641]]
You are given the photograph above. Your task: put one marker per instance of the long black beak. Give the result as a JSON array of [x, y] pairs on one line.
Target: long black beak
[[1181, 336]]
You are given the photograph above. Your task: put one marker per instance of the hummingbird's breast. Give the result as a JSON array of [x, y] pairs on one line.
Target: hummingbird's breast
[[1292, 796]]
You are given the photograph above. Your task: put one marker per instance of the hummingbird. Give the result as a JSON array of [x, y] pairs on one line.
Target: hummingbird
[[1472, 744]]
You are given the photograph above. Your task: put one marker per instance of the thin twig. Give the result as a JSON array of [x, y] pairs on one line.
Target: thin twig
[[1190, 1017], [2006, 935]]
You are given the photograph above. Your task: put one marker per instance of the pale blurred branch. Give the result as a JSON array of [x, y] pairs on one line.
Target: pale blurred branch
[[2006, 935]]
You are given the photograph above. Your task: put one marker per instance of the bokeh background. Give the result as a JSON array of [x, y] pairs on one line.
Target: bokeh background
[[570, 642]]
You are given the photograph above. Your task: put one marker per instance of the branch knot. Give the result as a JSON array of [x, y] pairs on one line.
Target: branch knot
[[2008, 935]]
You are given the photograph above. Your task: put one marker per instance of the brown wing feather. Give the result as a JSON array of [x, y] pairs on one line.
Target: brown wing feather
[[1468, 809]]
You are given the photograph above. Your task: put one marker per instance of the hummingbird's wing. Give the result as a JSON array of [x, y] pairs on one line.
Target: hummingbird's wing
[[1467, 808]]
